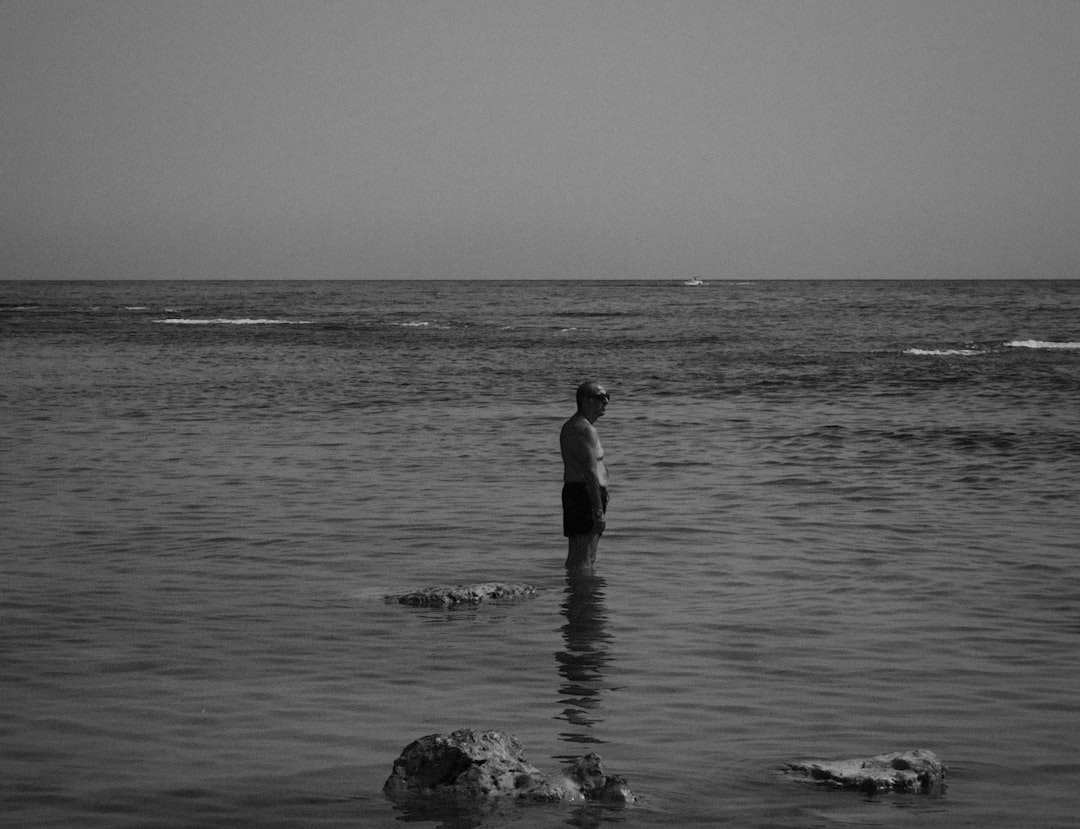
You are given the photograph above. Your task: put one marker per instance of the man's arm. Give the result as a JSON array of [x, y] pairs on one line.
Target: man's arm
[[591, 459], [582, 455]]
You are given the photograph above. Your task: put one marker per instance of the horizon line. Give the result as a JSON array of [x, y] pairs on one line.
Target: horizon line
[[611, 279]]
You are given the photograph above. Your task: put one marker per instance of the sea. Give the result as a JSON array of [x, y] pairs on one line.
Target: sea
[[844, 521]]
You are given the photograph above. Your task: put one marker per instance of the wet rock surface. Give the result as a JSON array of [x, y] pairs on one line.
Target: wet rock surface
[[467, 594], [480, 766], [918, 771]]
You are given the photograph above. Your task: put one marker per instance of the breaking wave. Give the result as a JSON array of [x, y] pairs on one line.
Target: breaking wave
[[944, 352], [242, 321], [975, 351], [1043, 344]]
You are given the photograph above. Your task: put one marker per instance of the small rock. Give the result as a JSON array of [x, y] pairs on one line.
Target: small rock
[[449, 596], [918, 771], [587, 773]]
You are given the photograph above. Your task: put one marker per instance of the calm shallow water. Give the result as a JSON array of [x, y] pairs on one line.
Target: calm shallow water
[[844, 522]]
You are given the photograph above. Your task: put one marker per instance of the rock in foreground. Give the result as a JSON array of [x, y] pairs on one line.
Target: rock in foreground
[[448, 596], [918, 771], [472, 766]]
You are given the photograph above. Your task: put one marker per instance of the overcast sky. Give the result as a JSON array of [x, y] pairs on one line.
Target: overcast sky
[[636, 139]]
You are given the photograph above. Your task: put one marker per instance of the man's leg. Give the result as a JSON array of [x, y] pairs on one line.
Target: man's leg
[[582, 553]]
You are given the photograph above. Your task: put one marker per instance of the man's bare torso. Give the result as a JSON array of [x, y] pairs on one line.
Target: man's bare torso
[[583, 456]]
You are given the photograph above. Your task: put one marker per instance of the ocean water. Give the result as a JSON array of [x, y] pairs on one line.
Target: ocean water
[[844, 521]]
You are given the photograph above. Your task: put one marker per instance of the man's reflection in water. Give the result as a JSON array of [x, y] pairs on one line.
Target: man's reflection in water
[[582, 663]]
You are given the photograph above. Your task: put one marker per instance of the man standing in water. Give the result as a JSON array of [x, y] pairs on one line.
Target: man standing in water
[[584, 494]]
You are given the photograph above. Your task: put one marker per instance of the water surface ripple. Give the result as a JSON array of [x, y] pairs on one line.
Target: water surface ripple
[[843, 521]]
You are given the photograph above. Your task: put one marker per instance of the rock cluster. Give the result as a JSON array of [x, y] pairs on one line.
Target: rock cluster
[[471, 766], [918, 771], [448, 596], [468, 767]]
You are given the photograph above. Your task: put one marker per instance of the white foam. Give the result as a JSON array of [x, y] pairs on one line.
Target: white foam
[[1043, 344], [424, 324], [944, 352], [243, 321]]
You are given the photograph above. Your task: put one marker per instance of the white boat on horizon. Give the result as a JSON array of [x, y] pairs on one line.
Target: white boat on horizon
[[693, 282]]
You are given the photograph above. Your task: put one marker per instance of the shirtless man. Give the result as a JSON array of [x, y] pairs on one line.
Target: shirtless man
[[584, 494]]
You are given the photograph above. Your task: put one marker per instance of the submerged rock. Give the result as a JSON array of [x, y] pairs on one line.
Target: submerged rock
[[471, 766], [448, 596], [918, 771]]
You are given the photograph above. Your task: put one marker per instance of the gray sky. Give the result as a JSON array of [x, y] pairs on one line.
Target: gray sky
[[635, 139]]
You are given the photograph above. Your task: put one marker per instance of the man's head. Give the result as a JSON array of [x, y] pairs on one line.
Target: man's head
[[591, 395]]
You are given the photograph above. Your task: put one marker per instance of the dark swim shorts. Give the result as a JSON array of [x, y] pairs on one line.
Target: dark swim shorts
[[578, 509]]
